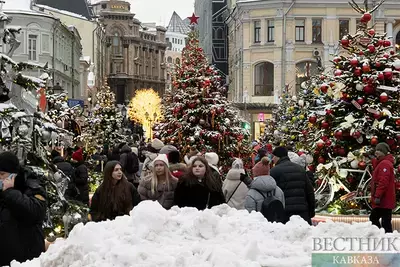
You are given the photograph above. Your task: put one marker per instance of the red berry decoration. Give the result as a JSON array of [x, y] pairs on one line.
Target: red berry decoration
[[361, 53], [321, 160], [383, 97], [366, 17], [378, 64], [380, 76], [374, 141], [312, 119], [380, 43], [362, 165]]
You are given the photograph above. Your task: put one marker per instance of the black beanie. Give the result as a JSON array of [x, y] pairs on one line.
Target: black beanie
[[280, 152], [9, 162]]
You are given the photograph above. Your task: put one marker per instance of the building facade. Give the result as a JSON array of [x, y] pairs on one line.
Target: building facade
[[276, 45], [213, 32], [134, 55], [44, 39], [176, 35], [93, 40]]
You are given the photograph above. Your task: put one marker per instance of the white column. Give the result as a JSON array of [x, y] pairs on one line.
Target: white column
[[389, 29]]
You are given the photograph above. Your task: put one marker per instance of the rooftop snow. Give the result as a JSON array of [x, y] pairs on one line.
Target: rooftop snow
[[22, 5]]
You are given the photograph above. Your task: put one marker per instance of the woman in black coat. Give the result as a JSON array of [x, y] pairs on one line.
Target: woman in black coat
[[198, 188], [81, 176]]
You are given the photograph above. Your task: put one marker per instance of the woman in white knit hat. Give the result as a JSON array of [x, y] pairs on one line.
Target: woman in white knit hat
[[161, 185]]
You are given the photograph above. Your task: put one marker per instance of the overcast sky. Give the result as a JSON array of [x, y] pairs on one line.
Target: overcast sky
[[160, 11]]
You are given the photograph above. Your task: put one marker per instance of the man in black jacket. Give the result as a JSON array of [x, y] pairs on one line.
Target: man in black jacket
[[292, 179], [22, 212]]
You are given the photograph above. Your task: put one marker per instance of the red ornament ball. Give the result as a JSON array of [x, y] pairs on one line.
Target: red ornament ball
[[362, 165], [354, 62], [371, 48], [387, 43], [366, 17], [374, 141], [338, 72], [312, 119], [356, 134], [360, 101], [325, 125], [383, 97], [357, 72], [378, 64], [324, 88], [320, 145], [321, 160], [380, 76], [369, 89], [338, 134], [366, 68], [345, 42], [371, 32]]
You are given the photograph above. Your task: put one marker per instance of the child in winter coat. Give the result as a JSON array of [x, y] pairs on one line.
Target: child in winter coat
[[262, 184], [234, 189]]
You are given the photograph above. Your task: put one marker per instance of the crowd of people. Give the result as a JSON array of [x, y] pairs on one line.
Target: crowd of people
[[277, 185]]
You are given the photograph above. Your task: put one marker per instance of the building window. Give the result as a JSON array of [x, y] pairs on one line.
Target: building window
[[32, 47], [177, 61], [271, 31], [118, 68], [316, 31], [343, 28], [300, 25], [257, 31], [169, 59], [304, 71], [45, 43], [264, 79], [116, 44]]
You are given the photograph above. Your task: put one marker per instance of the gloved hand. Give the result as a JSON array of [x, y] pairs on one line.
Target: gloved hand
[[244, 177], [377, 201]]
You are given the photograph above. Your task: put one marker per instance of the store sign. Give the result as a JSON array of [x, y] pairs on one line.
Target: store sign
[[75, 102], [260, 116], [120, 7]]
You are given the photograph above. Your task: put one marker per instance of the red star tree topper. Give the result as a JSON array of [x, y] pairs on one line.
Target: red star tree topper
[[193, 19]]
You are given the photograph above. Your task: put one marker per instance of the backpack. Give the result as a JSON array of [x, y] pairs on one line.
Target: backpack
[[272, 208]]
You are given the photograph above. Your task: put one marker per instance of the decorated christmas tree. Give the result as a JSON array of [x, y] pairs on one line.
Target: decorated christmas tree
[[197, 113], [366, 111], [104, 124]]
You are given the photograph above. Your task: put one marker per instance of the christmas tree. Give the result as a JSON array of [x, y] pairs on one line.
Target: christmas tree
[[197, 112], [365, 112], [104, 124]]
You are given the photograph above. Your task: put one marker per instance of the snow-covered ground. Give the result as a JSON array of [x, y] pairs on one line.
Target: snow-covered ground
[[220, 237]]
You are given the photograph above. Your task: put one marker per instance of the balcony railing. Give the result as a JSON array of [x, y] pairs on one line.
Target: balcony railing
[[264, 90]]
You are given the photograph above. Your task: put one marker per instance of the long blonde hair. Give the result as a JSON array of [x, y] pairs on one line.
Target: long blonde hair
[[154, 178]]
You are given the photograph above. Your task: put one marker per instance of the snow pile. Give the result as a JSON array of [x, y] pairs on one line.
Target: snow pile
[[152, 236]]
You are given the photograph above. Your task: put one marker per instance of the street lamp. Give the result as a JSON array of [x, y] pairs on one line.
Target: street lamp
[[57, 89]]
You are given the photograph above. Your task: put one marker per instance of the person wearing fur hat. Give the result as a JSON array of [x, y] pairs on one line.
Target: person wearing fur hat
[[293, 180], [81, 176], [22, 212], [161, 185], [383, 194], [262, 185], [213, 159], [233, 188]]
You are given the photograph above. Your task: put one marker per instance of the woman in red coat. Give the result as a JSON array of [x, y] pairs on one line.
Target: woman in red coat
[[383, 195]]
